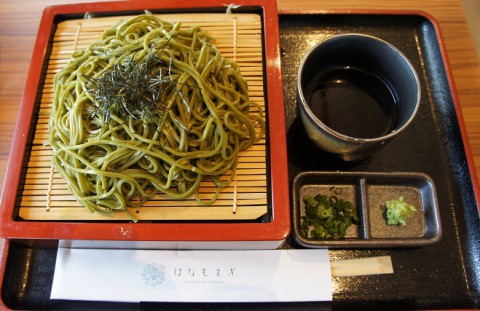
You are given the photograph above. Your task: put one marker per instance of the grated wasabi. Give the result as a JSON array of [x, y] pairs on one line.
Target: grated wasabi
[[398, 211]]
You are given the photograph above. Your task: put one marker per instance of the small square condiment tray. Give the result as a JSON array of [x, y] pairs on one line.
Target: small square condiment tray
[[254, 208]]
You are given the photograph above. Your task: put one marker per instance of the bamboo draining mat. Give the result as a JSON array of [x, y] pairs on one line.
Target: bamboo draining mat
[[45, 195]]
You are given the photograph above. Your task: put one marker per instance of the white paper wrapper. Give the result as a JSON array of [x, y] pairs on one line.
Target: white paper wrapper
[[192, 276]]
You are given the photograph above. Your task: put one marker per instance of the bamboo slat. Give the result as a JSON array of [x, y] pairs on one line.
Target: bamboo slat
[[45, 195]]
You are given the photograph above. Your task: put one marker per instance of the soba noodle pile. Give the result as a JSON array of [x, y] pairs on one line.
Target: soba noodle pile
[[184, 116]]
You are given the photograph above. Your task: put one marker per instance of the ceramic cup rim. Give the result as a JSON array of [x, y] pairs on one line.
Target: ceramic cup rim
[[328, 129]]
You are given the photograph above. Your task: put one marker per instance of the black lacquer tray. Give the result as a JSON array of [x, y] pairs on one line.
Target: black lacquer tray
[[442, 275]]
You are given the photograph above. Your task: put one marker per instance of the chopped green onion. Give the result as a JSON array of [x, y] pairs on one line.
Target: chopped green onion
[[327, 217]]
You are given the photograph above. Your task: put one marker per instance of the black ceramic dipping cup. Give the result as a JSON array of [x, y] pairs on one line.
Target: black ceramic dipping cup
[[355, 93]]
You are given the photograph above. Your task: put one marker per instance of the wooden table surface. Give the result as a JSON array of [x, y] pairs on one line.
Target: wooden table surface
[[19, 22]]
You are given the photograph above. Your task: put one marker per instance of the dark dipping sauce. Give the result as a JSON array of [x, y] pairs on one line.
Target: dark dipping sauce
[[352, 102]]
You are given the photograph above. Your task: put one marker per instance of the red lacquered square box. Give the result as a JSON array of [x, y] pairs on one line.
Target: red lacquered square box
[[266, 232]]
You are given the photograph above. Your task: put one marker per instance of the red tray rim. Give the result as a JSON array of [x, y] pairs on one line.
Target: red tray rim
[[275, 230]]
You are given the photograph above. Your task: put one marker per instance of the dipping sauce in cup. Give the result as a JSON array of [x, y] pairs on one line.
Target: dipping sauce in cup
[[355, 93]]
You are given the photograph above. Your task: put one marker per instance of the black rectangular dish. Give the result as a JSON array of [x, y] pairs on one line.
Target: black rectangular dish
[[441, 275], [369, 192]]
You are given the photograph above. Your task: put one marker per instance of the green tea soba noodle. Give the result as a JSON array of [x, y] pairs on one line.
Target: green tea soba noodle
[[150, 107]]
